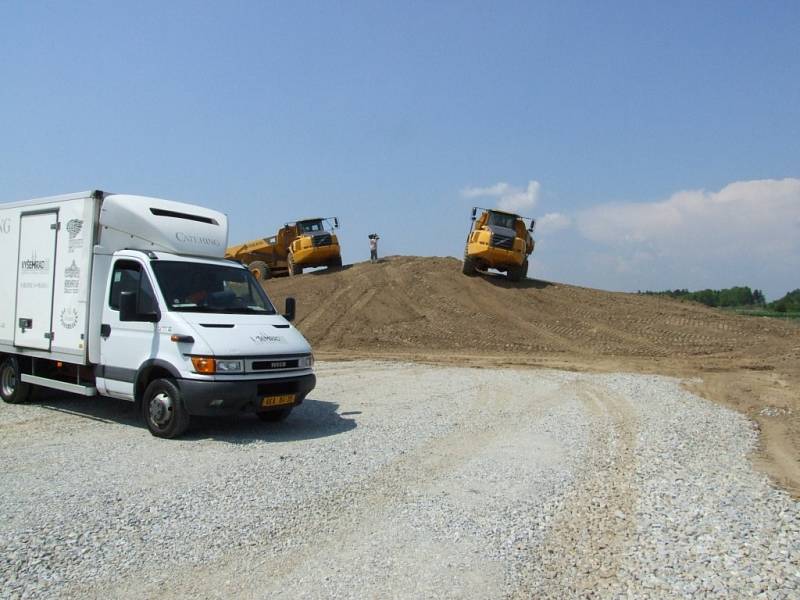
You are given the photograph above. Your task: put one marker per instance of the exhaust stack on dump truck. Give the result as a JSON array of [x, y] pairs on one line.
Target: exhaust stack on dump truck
[[499, 240], [303, 244], [131, 297]]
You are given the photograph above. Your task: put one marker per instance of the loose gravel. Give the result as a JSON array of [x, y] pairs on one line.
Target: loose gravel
[[400, 480]]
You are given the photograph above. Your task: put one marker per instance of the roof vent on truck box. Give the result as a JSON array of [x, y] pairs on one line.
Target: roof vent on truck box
[[160, 212], [139, 222]]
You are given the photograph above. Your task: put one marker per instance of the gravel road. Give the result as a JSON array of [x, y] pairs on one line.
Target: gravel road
[[400, 480]]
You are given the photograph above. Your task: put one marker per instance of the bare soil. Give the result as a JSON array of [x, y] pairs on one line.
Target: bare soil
[[425, 309]]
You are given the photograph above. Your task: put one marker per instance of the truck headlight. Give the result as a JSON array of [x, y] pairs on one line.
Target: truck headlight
[[229, 366], [306, 362]]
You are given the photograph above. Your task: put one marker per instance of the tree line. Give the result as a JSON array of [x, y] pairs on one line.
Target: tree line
[[735, 297]]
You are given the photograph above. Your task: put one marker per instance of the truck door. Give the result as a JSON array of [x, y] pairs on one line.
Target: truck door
[[35, 277], [124, 346]]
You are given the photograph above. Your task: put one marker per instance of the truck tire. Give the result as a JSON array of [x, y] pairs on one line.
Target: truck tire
[[275, 416], [336, 263], [518, 273], [468, 268], [260, 270], [163, 410], [293, 268], [12, 388]]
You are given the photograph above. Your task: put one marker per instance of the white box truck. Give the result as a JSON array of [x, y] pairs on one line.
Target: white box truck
[[130, 297]]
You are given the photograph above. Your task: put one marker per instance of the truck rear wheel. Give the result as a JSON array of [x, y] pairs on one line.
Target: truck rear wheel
[[336, 263], [163, 410], [12, 388], [274, 416], [260, 270]]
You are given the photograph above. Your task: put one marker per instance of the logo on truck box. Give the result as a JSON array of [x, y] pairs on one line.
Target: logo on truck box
[[200, 240], [35, 265], [74, 228], [69, 317], [72, 278]]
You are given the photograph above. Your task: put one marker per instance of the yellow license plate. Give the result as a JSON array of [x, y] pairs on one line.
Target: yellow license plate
[[277, 400]]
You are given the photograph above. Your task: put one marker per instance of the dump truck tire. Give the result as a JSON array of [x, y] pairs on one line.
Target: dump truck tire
[[293, 268], [336, 263], [517, 273], [260, 270], [468, 268], [12, 388]]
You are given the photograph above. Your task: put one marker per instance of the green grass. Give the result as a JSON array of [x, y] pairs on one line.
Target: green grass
[[764, 312]]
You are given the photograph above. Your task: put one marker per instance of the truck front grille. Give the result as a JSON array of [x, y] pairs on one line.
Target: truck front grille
[[502, 241], [274, 365], [323, 240]]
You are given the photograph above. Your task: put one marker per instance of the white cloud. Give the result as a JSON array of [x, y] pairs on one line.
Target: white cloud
[[747, 218], [509, 197], [552, 222], [498, 189]]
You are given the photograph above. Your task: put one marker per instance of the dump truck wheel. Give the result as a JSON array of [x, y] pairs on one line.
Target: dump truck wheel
[[518, 273], [336, 263], [293, 268], [12, 389], [163, 410], [274, 416], [260, 270], [468, 268]]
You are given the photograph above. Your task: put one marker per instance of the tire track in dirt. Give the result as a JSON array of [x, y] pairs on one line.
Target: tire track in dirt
[[583, 552]]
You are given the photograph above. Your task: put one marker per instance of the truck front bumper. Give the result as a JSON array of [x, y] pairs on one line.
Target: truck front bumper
[[218, 398], [316, 256], [494, 257]]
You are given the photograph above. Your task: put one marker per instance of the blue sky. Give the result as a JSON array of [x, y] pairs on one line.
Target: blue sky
[[395, 116]]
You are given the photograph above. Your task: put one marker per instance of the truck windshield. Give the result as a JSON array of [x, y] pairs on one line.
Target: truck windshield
[[199, 287], [311, 226], [502, 220]]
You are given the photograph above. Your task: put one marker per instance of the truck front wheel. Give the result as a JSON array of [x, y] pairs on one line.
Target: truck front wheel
[[468, 267], [12, 389], [294, 269], [163, 410]]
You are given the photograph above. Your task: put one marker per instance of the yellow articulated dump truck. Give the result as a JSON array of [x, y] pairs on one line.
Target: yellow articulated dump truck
[[499, 240], [303, 244]]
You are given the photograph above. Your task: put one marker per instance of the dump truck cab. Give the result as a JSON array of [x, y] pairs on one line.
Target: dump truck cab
[[498, 240]]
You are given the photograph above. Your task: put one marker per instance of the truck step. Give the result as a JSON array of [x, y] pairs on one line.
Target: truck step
[[84, 390]]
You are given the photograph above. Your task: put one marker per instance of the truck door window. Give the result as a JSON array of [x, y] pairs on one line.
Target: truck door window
[[128, 277]]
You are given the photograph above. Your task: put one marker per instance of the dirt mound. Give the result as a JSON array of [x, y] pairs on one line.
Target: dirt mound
[[417, 304]]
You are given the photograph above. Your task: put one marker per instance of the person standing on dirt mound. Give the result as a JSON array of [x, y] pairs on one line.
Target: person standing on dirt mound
[[373, 247]]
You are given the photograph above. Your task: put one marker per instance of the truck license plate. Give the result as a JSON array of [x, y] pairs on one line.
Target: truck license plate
[[277, 400]]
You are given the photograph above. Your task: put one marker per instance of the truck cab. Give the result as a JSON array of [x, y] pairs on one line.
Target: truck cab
[[162, 319]]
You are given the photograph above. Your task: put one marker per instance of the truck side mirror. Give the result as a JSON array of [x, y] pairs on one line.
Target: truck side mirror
[[474, 212], [532, 225], [336, 222], [290, 308], [129, 309]]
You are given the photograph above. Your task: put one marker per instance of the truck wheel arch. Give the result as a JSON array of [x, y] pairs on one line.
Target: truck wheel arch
[[149, 371]]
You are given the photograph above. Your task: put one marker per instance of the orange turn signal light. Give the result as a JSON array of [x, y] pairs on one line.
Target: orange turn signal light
[[204, 364]]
